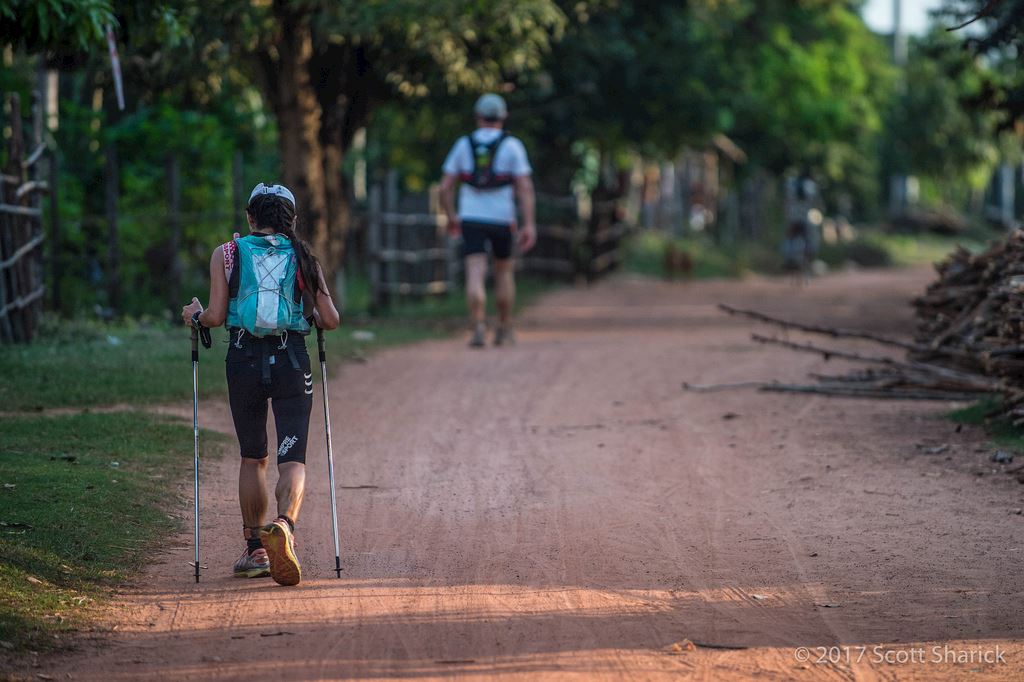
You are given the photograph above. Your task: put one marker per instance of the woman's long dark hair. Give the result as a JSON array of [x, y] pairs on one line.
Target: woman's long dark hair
[[270, 211]]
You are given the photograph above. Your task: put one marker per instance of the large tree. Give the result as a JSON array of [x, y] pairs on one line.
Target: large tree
[[325, 67]]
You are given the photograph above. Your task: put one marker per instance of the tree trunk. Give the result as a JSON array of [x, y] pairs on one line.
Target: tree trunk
[[321, 93], [345, 84], [292, 94]]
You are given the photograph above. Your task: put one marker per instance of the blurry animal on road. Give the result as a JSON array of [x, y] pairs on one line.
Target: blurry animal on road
[[677, 263]]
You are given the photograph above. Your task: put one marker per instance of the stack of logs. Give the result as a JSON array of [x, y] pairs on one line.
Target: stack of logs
[[972, 318], [969, 343]]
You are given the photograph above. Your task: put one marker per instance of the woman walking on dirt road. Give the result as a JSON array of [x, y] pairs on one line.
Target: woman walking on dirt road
[[268, 288]]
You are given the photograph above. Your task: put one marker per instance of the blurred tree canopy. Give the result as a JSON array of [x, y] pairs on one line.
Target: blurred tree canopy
[[931, 131], [798, 85], [995, 29], [54, 25]]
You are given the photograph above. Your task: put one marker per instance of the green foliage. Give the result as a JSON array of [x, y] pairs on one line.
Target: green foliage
[[204, 141], [807, 89], [932, 131], [85, 498], [593, 85], [645, 254], [996, 33], [55, 25]]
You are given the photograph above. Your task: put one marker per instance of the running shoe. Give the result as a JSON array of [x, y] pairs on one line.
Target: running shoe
[[503, 336], [478, 341], [279, 542], [254, 564]]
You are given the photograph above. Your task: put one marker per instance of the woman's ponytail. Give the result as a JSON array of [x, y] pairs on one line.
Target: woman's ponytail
[[278, 214]]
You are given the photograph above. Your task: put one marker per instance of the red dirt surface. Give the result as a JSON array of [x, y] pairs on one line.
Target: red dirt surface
[[563, 509]]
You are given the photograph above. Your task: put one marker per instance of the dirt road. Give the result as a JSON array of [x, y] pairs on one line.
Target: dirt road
[[563, 508]]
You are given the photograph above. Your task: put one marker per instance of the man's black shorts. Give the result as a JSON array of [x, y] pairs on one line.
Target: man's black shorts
[[476, 235]]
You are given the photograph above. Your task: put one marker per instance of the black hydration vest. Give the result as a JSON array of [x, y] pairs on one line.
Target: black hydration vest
[[483, 175]]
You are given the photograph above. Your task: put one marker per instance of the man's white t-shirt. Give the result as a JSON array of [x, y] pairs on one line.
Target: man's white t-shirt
[[497, 206]]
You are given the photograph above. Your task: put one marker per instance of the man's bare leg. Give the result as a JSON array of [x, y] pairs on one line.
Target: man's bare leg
[[505, 298], [504, 289], [476, 294]]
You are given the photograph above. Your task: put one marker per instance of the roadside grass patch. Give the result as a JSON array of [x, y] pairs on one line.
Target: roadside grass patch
[[984, 413], [645, 252], [436, 311], [83, 499], [878, 248], [872, 247], [88, 364], [139, 364]]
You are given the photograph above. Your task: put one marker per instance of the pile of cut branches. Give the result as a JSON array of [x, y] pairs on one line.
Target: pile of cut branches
[[969, 341], [884, 377], [972, 317]]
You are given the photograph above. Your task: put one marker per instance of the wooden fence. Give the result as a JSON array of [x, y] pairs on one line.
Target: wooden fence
[[21, 228], [411, 253]]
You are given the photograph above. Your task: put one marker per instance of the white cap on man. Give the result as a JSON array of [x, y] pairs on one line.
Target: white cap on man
[[491, 107]]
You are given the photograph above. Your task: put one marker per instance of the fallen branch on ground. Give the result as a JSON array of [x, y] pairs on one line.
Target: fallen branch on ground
[[834, 332]]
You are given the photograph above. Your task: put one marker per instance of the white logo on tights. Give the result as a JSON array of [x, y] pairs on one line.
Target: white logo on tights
[[286, 445]]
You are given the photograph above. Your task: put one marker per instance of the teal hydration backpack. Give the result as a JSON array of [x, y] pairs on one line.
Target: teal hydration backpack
[[265, 296]]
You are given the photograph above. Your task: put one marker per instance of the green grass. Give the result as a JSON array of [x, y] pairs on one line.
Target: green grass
[[144, 364], [985, 413], [871, 248], [645, 253], [77, 516], [77, 363], [877, 248], [435, 309]]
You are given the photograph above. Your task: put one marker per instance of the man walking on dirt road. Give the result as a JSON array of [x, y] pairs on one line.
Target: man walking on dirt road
[[494, 173]]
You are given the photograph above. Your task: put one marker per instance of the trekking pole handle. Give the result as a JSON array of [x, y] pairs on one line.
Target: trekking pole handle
[[320, 343], [201, 333]]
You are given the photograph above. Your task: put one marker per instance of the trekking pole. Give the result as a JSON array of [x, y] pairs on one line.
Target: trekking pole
[[330, 450], [198, 332], [195, 435]]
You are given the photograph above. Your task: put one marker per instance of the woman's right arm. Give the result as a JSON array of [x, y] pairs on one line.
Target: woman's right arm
[[327, 316], [217, 311]]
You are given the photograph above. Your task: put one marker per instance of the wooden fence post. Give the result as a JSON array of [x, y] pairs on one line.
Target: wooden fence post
[[112, 195], [373, 229], [17, 268], [238, 190], [390, 230], [55, 241], [174, 231], [12, 178], [21, 232]]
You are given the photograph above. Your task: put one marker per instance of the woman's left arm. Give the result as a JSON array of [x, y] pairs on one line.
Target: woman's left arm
[[327, 316]]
